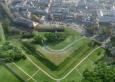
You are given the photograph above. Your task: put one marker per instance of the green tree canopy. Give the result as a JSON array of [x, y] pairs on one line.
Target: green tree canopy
[[38, 39], [10, 53], [102, 73], [55, 36]]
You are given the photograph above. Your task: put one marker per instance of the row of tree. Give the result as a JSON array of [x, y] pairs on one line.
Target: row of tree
[[50, 37]]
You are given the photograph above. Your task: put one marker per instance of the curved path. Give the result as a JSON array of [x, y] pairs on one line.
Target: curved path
[[64, 49]]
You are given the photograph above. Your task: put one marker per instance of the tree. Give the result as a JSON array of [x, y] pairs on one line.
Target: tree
[[55, 36], [113, 41], [106, 29], [61, 36], [38, 39], [102, 73], [10, 53], [50, 37]]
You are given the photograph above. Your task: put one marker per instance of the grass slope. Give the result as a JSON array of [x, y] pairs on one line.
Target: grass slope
[[7, 76]]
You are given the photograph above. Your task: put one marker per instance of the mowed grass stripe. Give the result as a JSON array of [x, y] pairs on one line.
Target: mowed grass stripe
[[27, 65], [24, 72], [73, 77], [41, 77], [7, 76], [75, 58], [33, 75], [18, 72]]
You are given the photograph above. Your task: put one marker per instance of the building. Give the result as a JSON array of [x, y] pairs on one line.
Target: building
[[106, 16], [23, 22]]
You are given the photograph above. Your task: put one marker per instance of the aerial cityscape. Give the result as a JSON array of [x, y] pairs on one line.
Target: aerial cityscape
[[57, 40]]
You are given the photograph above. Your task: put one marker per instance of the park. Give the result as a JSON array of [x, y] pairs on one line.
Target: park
[[51, 56]]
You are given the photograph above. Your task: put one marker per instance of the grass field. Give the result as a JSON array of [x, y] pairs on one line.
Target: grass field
[[66, 64], [7, 76], [28, 72], [64, 61]]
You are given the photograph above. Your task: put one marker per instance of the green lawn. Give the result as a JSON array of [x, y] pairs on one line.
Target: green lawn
[[20, 73], [41, 77], [30, 69], [73, 77], [27, 65], [7, 76]]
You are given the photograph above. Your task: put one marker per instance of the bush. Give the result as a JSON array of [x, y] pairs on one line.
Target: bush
[[10, 53], [38, 39], [55, 37]]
